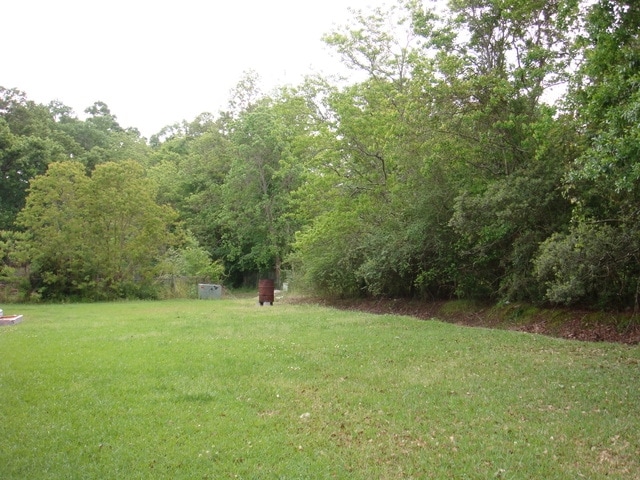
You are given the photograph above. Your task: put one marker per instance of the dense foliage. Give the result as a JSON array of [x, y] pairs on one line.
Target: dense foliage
[[489, 150]]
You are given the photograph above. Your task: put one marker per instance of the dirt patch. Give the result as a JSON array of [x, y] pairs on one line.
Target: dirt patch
[[565, 323]]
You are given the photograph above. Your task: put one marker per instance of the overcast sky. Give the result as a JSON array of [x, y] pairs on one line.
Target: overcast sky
[[157, 62]]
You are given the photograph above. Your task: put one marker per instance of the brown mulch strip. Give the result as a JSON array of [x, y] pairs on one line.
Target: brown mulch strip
[[564, 323]]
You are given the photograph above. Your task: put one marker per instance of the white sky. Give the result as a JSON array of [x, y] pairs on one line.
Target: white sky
[[157, 62]]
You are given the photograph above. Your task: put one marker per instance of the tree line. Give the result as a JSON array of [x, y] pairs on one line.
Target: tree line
[[488, 150]]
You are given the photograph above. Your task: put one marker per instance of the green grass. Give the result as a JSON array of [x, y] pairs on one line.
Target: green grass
[[228, 389]]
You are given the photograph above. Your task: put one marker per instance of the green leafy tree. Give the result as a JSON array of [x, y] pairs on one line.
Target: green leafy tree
[[128, 229], [596, 262], [54, 219], [365, 239], [99, 138], [25, 117], [494, 61], [28, 143], [607, 99], [434, 148], [32, 136], [189, 164], [94, 237], [255, 215]]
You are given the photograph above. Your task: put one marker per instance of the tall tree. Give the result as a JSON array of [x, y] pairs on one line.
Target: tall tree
[[495, 61], [128, 231], [255, 214], [603, 267], [28, 143], [436, 145], [54, 219], [94, 237], [365, 239]]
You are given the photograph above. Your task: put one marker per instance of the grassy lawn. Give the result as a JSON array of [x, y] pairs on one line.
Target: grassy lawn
[[228, 389]]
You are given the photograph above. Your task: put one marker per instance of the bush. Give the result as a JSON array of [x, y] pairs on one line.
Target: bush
[[594, 264]]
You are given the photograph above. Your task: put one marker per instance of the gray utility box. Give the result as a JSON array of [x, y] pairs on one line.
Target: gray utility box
[[208, 291]]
